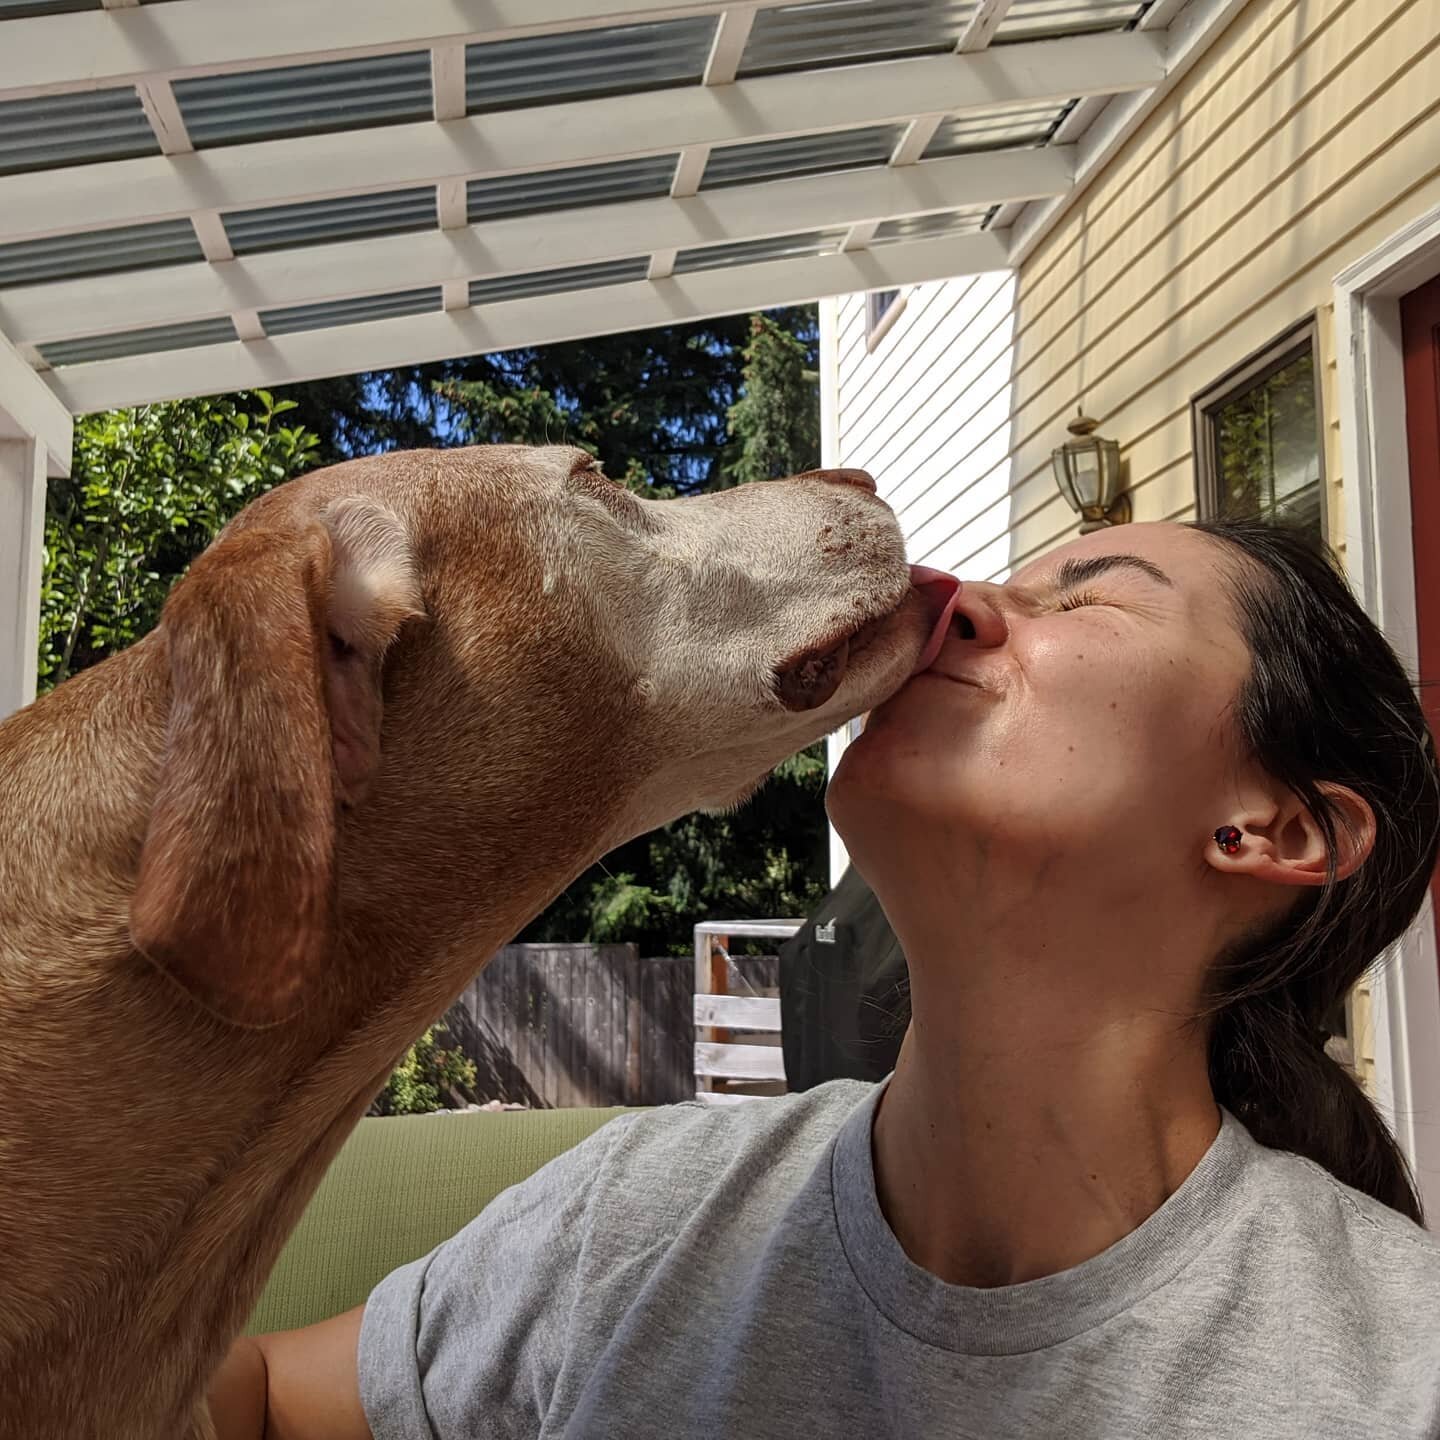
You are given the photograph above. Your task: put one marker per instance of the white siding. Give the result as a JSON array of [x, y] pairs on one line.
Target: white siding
[[1308, 134]]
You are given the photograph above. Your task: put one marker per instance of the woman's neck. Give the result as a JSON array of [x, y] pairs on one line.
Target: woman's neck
[[1019, 1139]]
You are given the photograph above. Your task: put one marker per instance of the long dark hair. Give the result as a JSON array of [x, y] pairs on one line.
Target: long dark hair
[[1326, 701]]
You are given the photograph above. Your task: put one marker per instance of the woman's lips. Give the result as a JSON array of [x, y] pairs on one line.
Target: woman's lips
[[941, 592]]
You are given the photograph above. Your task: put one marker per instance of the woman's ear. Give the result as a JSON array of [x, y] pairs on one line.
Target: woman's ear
[[1280, 842], [274, 641]]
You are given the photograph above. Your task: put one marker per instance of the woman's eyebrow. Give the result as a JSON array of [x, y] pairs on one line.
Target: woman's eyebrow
[[1076, 572]]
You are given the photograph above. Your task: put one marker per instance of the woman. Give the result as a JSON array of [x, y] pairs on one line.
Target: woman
[[1154, 807]]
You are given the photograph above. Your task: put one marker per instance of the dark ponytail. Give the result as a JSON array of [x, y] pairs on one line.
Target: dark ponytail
[[1326, 701]]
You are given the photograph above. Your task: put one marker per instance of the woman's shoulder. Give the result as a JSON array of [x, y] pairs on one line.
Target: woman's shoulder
[[1354, 1244], [670, 1144]]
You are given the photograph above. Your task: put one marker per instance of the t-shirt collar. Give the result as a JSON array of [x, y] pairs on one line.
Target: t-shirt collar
[[1014, 1319]]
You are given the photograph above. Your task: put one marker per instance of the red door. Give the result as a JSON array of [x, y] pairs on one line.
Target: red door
[[1420, 328]]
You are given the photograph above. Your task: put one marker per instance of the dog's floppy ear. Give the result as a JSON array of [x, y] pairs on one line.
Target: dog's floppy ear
[[275, 642]]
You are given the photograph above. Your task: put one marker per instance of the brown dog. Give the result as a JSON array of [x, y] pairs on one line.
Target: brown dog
[[389, 714]]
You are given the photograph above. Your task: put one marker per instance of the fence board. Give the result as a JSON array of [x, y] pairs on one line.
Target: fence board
[[551, 1025]]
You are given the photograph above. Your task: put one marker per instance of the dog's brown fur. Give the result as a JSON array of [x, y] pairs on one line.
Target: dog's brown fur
[[392, 711]]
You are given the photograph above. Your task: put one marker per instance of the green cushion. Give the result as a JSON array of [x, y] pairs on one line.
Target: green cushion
[[400, 1186]]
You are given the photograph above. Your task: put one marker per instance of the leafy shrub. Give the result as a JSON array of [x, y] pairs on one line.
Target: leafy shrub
[[430, 1077]]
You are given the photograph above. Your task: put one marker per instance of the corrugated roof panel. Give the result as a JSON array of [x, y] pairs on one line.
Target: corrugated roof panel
[[350, 312], [549, 282], [800, 155], [772, 247], [306, 99], [844, 32], [24, 9], [1046, 19], [96, 252], [504, 74], [570, 189], [317, 221], [925, 227], [53, 130], [1005, 127], [139, 342]]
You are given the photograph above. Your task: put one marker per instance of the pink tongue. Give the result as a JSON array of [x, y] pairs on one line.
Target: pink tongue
[[942, 593]]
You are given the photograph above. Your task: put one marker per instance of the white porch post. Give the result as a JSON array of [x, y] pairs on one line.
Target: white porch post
[[22, 530], [36, 434]]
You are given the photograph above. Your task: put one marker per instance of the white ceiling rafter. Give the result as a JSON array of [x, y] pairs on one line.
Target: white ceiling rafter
[[918, 134], [28, 406], [162, 110], [983, 24], [525, 243], [52, 54], [732, 34], [447, 80], [1188, 32], [210, 232], [120, 192], [507, 325]]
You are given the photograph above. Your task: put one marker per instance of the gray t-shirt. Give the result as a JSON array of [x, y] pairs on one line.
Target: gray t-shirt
[[695, 1273]]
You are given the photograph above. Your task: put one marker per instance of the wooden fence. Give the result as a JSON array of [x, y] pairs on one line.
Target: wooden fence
[[568, 1025]]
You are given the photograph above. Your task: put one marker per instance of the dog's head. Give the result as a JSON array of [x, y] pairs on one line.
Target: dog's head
[[407, 677]]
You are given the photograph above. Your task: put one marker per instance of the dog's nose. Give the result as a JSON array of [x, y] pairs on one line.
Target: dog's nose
[[862, 478]]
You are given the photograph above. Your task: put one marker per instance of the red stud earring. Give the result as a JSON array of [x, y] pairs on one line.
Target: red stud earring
[[1228, 838]]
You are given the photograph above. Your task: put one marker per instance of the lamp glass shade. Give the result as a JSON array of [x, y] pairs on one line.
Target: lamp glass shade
[[1087, 471]]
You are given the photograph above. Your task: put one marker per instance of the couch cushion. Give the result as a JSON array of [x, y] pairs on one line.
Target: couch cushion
[[400, 1186]]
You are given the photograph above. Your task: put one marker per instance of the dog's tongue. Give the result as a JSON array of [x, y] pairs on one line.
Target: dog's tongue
[[942, 593]]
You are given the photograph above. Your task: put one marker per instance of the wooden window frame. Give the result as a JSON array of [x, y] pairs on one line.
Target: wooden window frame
[[880, 319], [1254, 370]]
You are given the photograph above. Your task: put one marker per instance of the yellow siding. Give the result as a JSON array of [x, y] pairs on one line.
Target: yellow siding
[[1308, 134]]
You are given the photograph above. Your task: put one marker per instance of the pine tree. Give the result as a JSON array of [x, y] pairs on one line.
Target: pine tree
[[775, 424]]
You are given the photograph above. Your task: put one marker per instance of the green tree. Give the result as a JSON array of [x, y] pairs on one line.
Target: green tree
[[148, 490], [770, 857], [652, 404], [775, 424]]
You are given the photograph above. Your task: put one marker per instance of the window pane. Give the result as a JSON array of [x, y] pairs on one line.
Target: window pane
[[877, 302], [1267, 447]]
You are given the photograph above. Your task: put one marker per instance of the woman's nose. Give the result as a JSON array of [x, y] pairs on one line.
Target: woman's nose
[[979, 617]]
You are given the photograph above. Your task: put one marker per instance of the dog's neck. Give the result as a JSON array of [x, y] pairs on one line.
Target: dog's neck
[[165, 1197]]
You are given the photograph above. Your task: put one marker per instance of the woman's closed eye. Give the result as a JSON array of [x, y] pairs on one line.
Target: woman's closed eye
[[1079, 599]]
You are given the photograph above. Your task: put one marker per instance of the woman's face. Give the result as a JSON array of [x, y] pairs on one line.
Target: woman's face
[[1079, 713]]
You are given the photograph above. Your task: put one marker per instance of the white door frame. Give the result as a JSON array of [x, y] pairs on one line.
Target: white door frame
[[1380, 562]]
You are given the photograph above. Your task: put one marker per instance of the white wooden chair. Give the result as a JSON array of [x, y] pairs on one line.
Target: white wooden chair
[[721, 1061]]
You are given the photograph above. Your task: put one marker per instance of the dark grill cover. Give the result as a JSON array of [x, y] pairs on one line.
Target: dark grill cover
[[844, 990]]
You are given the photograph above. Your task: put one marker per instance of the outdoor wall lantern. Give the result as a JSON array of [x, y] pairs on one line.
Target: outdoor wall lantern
[[1087, 470]]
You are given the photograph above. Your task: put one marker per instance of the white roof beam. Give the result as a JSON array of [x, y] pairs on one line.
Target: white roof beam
[[166, 295], [859, 236], [689, 171], [731, 36], [978, 34], [29, 409], [248, 325], [210, 232], [162, 110], [1190, 34], [52, 53], [22, 560], [121, 192], [918, 134], [452, 205], [447, 81], [540, 320]]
